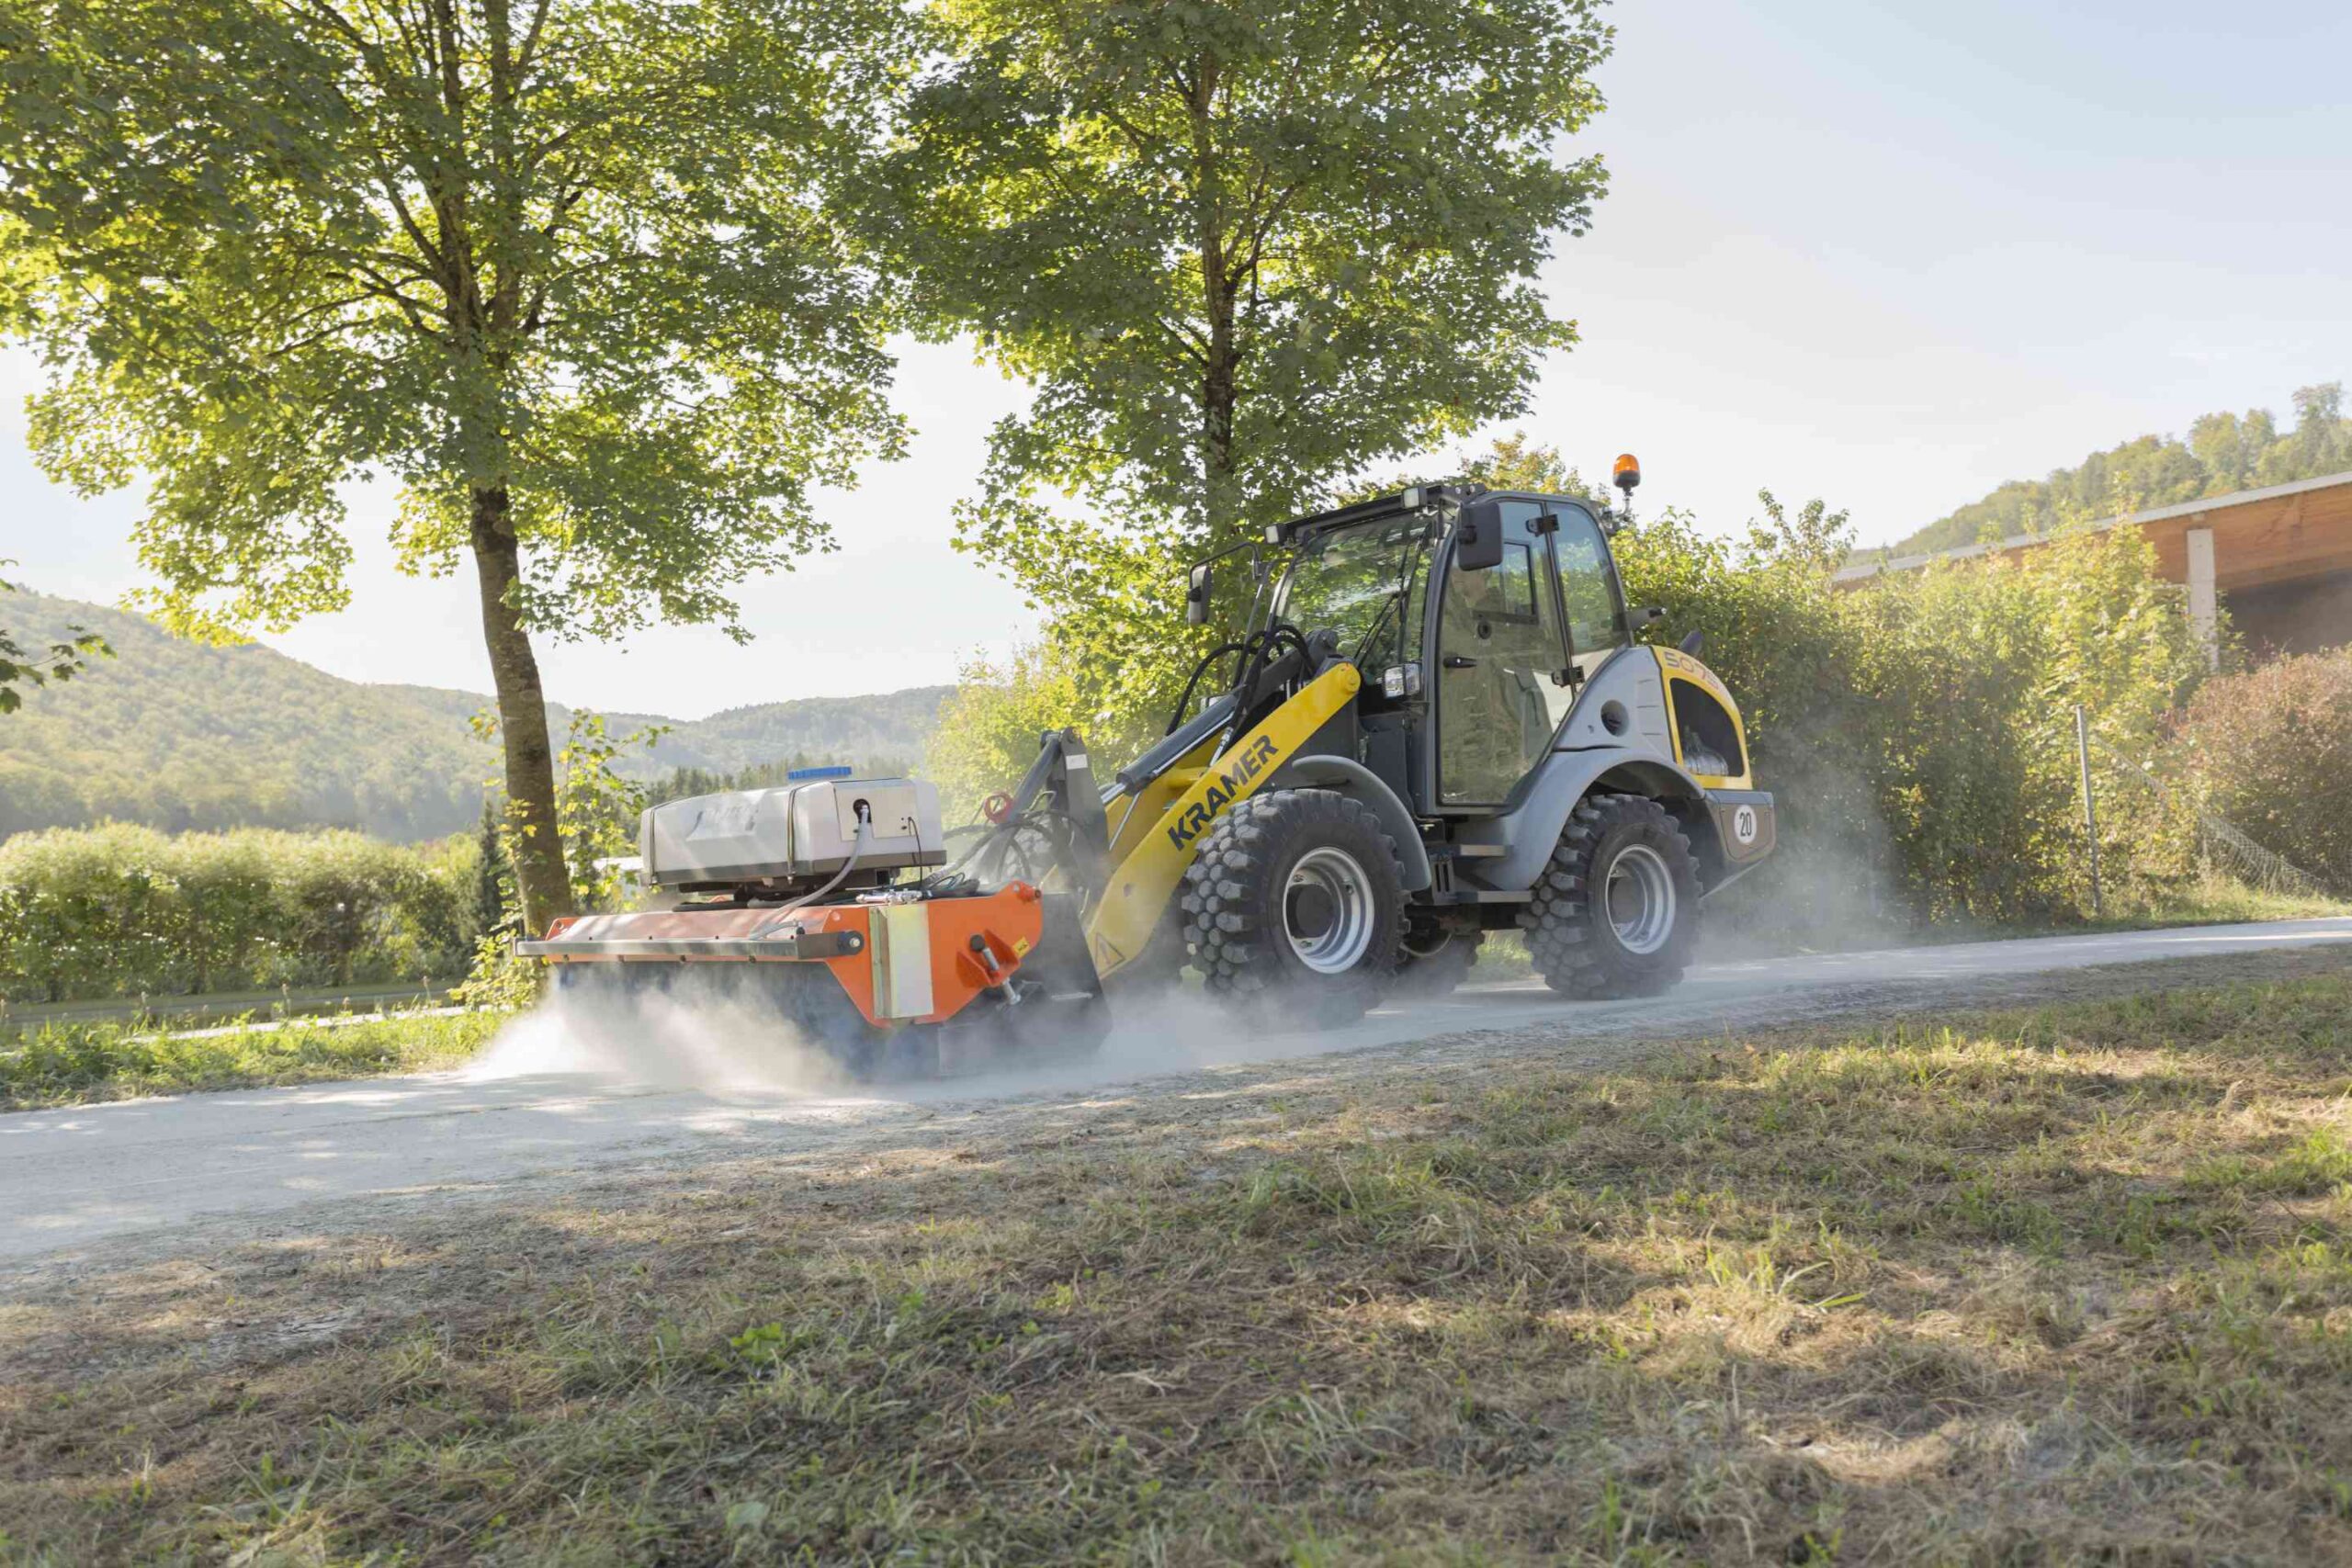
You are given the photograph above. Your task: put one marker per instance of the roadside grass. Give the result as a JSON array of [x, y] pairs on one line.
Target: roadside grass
[[76, 1063], [2067, 1283]]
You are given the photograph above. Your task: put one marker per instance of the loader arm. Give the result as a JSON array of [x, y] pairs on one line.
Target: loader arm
[[1136, 893]]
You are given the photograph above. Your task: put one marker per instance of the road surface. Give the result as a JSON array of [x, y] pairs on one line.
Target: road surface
[[569, 1096]]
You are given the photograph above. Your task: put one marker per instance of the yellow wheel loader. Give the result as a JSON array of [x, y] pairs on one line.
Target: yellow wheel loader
[[1440, 722]]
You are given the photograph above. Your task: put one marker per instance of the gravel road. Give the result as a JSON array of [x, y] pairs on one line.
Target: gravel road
[[562, 1102]]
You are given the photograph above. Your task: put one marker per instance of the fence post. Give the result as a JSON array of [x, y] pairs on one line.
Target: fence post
[[2090, 807]]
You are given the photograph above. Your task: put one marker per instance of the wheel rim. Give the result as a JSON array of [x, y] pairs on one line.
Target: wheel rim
[[1638, 895], [1326, 910]]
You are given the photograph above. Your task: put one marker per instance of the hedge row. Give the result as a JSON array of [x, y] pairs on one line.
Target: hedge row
[[1918, 731], [125, 910]]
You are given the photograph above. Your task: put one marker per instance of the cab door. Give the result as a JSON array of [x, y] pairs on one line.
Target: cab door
[[1503, 686]]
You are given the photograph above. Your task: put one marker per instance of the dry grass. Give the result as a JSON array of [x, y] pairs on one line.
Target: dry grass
[[2064, 1284]]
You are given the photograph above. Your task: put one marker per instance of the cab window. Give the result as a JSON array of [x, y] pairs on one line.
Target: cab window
[[1588, 588], [1501, 690]]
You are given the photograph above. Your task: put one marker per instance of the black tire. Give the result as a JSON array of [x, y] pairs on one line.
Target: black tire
[[1264, 924], [1580, 945], [1437, 962]]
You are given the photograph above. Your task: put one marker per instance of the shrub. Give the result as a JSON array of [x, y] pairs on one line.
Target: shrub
[[1918, 731], [124, 910], [2271, 751]]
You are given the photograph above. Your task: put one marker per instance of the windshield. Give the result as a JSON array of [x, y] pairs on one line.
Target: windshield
[[1358, 582]]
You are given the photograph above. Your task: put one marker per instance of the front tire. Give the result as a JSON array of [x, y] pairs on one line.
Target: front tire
[[1296, 908], [1616, 912]]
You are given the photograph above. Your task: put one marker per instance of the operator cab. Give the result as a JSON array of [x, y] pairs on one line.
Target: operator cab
[[1476, 616]]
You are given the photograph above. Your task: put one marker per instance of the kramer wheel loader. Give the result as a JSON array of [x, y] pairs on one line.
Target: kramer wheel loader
[[1440, 722]]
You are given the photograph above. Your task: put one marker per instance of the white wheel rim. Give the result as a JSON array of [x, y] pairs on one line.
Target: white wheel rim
[[1638, 897], [1326, 910]]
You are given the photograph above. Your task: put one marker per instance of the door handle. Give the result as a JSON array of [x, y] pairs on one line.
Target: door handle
[[1455, 661]]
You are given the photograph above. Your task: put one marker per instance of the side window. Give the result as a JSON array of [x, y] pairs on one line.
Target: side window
[[1588, 588], [1500, 656]]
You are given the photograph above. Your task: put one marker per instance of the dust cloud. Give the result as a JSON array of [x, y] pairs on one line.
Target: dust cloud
[[731, 1049], [651, 1038]]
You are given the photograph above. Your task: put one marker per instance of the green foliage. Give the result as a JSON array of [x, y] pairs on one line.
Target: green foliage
[[1241, 252], [2224, 452], [1917, 733], [578, 255], [1509, 462], [2271, 751], [58, 661], [493, 889], [128, 911], [596, 808], [989, 730]]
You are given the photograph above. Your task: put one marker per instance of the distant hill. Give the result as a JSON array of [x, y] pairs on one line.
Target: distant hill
[[2223, 452], [180, 736]]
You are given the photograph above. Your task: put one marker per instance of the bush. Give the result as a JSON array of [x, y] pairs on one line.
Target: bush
[[988, 727], [125, 910], [1918, 731], [2271, 751]]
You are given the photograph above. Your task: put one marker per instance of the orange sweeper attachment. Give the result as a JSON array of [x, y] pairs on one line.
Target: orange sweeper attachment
[[827, 905]]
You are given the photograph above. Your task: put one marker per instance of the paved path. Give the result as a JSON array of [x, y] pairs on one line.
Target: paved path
[[660, 1087]]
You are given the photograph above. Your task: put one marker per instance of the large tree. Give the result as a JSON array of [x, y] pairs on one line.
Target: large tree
[[1241, 250], [570, 272]]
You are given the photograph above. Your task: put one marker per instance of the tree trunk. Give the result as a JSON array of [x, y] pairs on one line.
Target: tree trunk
[[540, 880], [1218, 504]]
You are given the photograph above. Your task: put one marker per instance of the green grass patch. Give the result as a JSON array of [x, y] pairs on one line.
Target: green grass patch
[[68, 1064], [2051, 1285]]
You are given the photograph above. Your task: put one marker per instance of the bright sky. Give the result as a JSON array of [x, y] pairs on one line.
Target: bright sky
[[1891, 261]]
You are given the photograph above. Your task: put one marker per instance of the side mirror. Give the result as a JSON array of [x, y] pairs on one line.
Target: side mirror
[[1478, 535], [1196, 595], [1692, 641]]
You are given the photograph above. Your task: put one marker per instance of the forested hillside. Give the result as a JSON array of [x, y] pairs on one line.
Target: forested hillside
[[182, 736], [2223, 452]]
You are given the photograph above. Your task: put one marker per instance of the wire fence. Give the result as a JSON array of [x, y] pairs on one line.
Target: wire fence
[[2220, 845]]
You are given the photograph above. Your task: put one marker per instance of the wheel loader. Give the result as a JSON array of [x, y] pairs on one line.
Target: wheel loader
[[1441, 720]]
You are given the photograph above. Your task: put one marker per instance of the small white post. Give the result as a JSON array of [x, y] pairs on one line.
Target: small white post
[[2090, 806], [2204, 603]]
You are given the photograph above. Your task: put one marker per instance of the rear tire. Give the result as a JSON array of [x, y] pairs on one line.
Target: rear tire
[[1616, 912], [1295, 907]]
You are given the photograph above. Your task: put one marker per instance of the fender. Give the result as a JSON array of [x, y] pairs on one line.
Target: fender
[[1140, 891], [1530, 833], [1343, 776]]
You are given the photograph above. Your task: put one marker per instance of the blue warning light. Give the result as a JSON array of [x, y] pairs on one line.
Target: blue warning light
[[836, 772]]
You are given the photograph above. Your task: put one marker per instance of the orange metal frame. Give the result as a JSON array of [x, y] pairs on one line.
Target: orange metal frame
[[1007, 924]]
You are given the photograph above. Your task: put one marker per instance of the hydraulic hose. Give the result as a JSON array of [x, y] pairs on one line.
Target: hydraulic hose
[[857, 851], [1176, 720]]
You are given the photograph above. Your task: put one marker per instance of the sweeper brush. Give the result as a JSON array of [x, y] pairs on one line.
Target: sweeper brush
[[795, 902], [1441, 720]]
